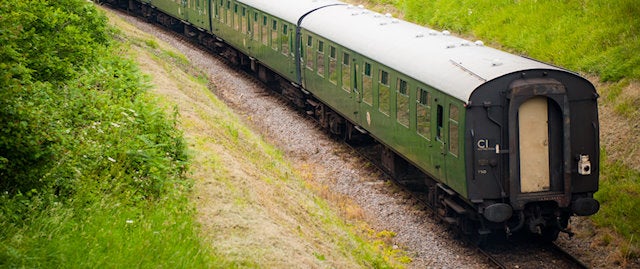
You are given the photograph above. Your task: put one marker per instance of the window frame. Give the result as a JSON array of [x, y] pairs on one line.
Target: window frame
[[265, 30], [384, 92], [309, 57], [454, 129], [275, 44], [320, 62], [333, 65], [286, 47], [423, 100], [345, 71], [403, 113], [367, 83]]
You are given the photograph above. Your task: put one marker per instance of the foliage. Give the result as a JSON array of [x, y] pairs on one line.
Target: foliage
[[49, 40], [43, 44], [618, 194], [91, 169], [75, 114]]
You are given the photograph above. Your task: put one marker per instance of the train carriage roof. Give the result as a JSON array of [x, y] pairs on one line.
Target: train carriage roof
[[447, 63], [450, 64], [289, 10]]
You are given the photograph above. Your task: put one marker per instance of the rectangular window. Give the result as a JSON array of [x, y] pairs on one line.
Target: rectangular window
[[274, 35], [454, 118], [346, 72], [245, 23], [236, 17], [402, 102], [265, 30], [310, 57], [285, 39], [423, 113], [333, 64], [367, 84], [320, 56], [229, 19], [220, 10], [255, 31], [440, 120], [384, 93]]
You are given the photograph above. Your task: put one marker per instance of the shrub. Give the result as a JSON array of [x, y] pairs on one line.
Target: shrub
[[73, 116]]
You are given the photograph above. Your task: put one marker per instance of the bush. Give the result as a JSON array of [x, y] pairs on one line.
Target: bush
[[50, 40], [91, 169], [43, 45], [74, 121]]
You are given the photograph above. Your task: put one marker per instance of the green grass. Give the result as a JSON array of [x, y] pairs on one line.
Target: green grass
[[599, 36], [108, 234], [618, 195]]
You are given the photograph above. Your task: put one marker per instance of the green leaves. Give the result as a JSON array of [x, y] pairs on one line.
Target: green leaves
[[73, 114], [52, 39]]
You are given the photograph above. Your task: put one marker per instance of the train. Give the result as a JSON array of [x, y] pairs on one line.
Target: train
[[506, 143]]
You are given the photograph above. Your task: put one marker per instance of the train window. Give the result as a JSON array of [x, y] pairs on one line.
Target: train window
[[453, 129], [439, 119], [383, 93], [265, 30], [220, 7], [274, 35], [229, 19], [402, 102], [367, 84], [236, 17], [423, 112], [346, 72], [245, 23], [285, 39], [255, 31], [320, 56], [310, 52], [333, 64]]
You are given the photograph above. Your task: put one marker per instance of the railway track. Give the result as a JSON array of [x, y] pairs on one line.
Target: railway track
[[500, 255]]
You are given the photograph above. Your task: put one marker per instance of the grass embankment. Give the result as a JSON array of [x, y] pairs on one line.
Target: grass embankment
[[598, 38]]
